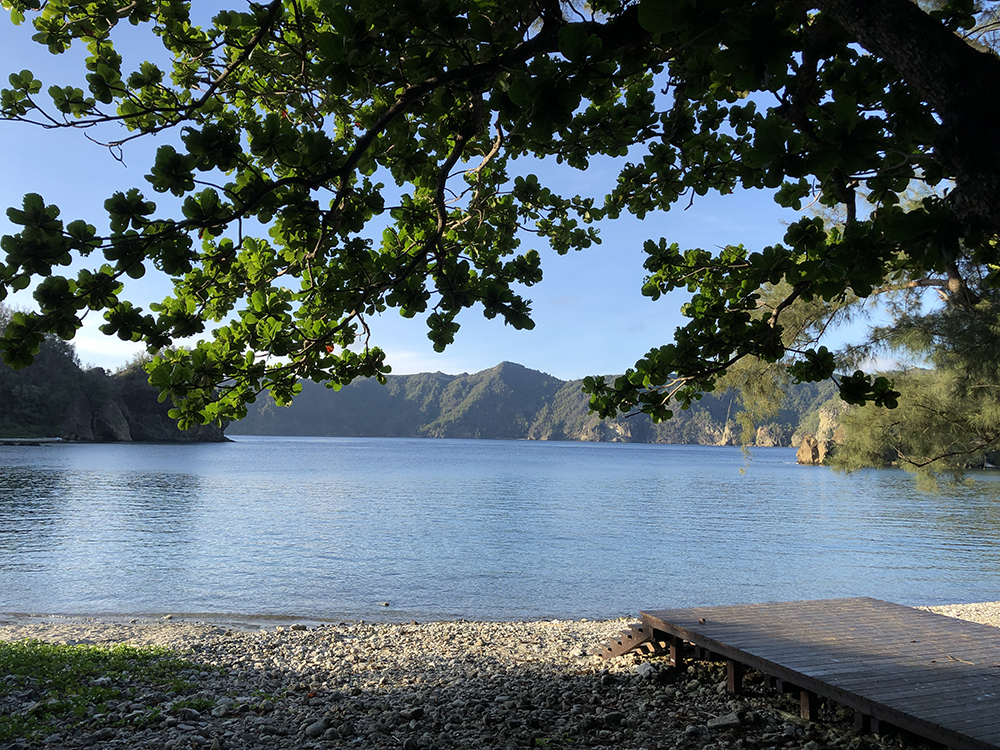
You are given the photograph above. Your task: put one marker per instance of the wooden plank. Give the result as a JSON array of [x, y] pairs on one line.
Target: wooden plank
[[911, 689], [903, 674], [993, 735], [870, 665], [931, 675]]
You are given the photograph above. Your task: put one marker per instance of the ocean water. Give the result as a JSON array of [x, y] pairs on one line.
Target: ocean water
[[336, 528]]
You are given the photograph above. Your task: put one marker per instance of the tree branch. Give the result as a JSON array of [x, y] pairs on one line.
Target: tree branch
[[959, 82]]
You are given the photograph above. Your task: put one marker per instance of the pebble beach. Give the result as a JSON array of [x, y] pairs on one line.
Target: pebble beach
[[417, 686]]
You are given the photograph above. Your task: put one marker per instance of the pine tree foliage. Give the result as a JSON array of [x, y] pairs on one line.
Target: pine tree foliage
[[935, 428], [949, 415]]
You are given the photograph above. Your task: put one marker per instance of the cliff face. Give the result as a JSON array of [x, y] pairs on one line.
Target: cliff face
[[55, 397], [124, 408]]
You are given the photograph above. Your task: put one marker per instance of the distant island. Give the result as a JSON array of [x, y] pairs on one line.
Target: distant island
[[512, 402]]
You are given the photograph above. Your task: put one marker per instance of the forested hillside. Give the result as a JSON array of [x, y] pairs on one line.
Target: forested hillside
[[510, 402]]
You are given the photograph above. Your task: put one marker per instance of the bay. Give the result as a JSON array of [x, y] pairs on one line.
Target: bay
[[333, 528]]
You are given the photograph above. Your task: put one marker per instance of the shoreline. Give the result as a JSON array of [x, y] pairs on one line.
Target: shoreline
[[445, 685], [986, 613], [235, 621]]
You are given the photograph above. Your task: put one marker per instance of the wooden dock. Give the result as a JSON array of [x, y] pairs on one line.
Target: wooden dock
[[931, 675]]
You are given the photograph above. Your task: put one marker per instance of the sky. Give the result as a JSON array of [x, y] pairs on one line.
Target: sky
[[590, 316]]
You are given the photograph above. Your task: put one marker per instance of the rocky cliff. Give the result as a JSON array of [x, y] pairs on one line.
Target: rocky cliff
[[56, 397], [126, 410]]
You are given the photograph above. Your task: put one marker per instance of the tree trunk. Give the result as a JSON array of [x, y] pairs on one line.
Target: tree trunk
[[959, 82]]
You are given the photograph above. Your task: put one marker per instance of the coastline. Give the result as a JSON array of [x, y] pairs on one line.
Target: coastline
[[165, 630], [429, 686]]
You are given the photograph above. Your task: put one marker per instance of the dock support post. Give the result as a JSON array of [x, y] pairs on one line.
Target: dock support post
[[677, 652], [734, 677], [780, 685], [809, 705]]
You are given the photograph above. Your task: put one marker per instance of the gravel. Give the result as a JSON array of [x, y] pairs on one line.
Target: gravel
[[434, 686]]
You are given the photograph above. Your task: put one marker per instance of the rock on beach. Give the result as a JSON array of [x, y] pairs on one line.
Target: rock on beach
[[433, 686]]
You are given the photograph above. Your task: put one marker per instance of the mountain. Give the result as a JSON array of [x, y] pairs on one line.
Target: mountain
[[508, 401]]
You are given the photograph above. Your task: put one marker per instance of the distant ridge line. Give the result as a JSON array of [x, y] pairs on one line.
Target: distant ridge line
[[507, 402]]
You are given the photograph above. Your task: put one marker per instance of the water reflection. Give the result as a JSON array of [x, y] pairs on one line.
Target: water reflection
[[30, 511], [332, 528], [88, 539]]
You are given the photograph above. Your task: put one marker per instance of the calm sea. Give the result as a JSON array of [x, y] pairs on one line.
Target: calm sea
[[329, 529]]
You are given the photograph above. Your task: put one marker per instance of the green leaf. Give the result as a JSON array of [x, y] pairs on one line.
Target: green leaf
[[655, 16]]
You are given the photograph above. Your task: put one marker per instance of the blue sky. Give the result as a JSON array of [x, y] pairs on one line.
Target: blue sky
[[590, 317]]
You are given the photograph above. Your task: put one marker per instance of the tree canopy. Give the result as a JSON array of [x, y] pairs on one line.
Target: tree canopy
[[291, 117]]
